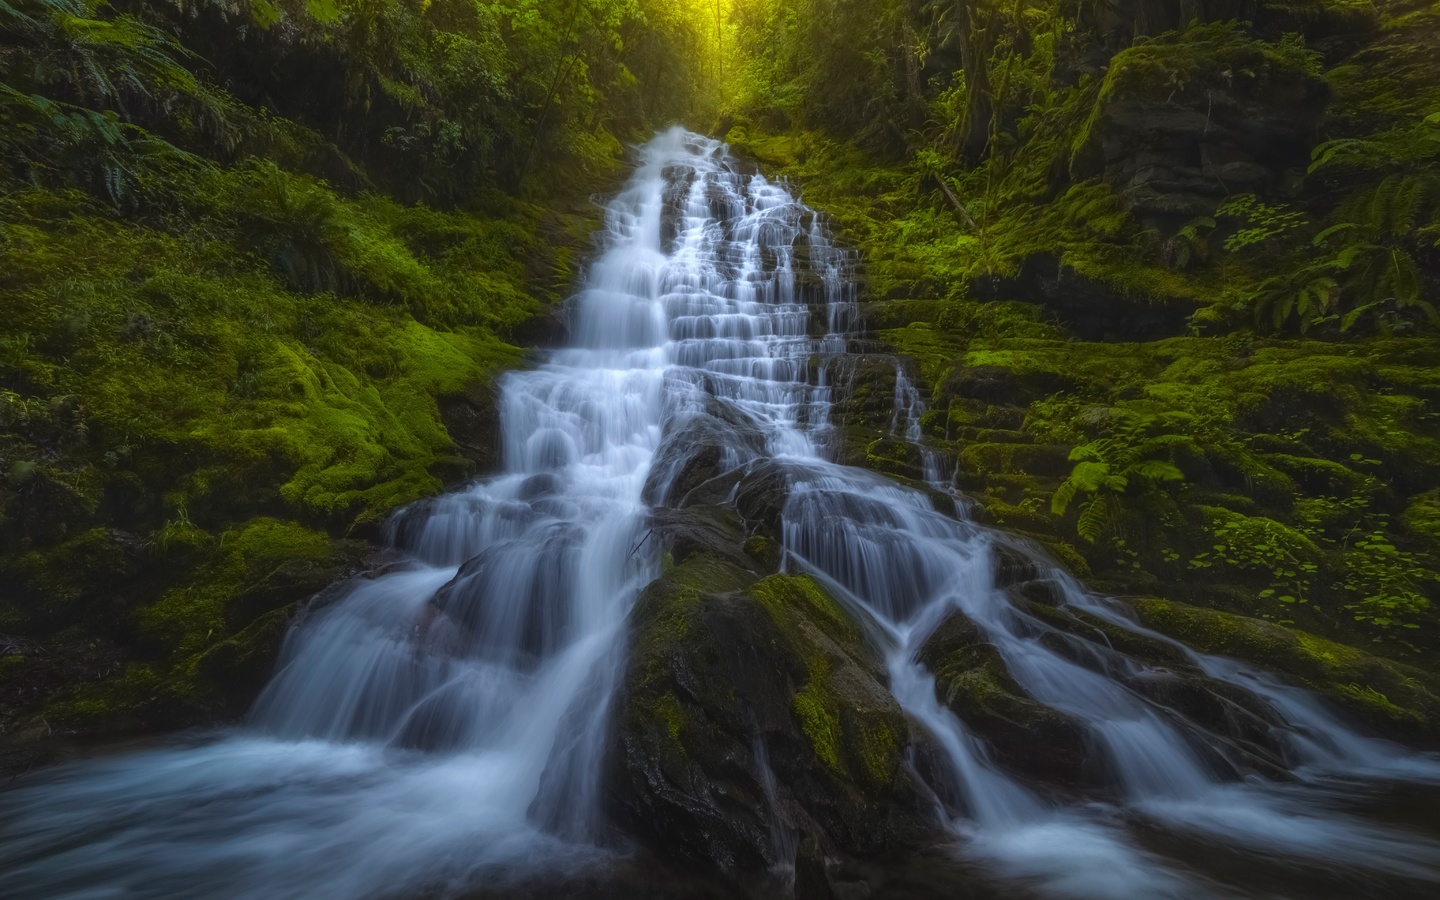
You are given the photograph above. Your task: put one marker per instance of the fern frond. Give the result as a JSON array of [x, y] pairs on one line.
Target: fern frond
[[1064, 495], [1090, 476], [1094, 519], [1157, 470]]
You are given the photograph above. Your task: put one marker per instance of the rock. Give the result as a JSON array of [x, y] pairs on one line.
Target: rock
[[714, 530], [1043, 591], [1011, 565], [1091, 310], [290, 581], [472, 417], [1026, 736], [811, 881], [699, 447], [757, 491], [724, 667], [1399, 701], [1165, 675], [1190, 118]]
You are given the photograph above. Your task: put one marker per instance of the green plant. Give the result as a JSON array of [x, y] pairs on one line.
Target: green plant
[[1106, 468], [1385, 581], [1287, 557]]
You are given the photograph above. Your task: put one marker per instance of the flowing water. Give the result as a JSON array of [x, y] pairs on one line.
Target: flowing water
[[441, 724]]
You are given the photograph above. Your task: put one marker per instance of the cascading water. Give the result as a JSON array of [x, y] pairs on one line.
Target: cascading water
[[444, 721]]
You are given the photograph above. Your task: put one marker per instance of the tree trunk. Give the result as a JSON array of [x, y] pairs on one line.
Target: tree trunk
[[971, 34]]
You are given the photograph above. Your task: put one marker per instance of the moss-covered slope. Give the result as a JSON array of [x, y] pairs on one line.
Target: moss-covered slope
[[1177, 320], [260, 264]]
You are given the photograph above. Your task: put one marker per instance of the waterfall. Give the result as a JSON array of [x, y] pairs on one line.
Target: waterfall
[[443, 721]]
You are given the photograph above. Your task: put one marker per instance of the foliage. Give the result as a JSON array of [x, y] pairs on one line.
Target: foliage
[[246, 249], [1130, 452]]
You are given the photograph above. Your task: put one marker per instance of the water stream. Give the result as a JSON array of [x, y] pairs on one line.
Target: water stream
[[443, 721]]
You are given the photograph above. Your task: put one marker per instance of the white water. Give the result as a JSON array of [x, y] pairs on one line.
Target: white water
[[441, 725]]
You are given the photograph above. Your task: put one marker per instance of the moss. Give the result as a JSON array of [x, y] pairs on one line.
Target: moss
[[671, 713], [781, 151], [671, 602], [881, 746], [857, 735], [820, 722], [764, 550], [1066, 554], [785, 596], [1387, 694]]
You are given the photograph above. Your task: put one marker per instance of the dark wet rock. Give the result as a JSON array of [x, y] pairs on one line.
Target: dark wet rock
[[697, 448], [1091, 310], [1012, 566], [1167, 677], [864, 403], [757, 491], [1025, 735], [1044, 591], [1400, 701], [894, 457], [724, 668], [714, 530], [811, 880], [482, 597], [472, 418], [1238, 718]]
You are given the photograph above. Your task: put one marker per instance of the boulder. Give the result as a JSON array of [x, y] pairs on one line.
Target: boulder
[[1025, 736], [753, 711], [701, 446], [1397, 700]]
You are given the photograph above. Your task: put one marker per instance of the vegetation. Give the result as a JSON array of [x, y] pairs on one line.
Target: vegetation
[[1168, 272], [249, 253]]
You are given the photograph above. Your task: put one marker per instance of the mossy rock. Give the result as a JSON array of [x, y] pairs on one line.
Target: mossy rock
[[758, 491], [1248, 730], [1017, 459], [1024, 735], [716, 531], [1397, 700], [728, 672]]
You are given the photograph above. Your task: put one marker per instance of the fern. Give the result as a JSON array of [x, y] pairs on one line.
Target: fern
[[1096, 517], [1135, 452]]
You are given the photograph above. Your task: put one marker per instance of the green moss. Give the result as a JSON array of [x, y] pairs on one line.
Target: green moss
[[820, 722], [1386, 692], [671, 602], [850, 731], [671, 714], [881, 749], [787, 596]]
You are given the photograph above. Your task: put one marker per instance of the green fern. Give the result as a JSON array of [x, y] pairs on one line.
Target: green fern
[[1136, 451]]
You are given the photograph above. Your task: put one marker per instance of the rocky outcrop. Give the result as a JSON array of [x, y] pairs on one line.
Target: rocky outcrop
[[1189, 118], [703, 445], [753, 713], [1398, 700], [1025, 736], [1091, 309]]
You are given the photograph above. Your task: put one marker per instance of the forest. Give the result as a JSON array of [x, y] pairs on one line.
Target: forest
[[1157, 280]]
